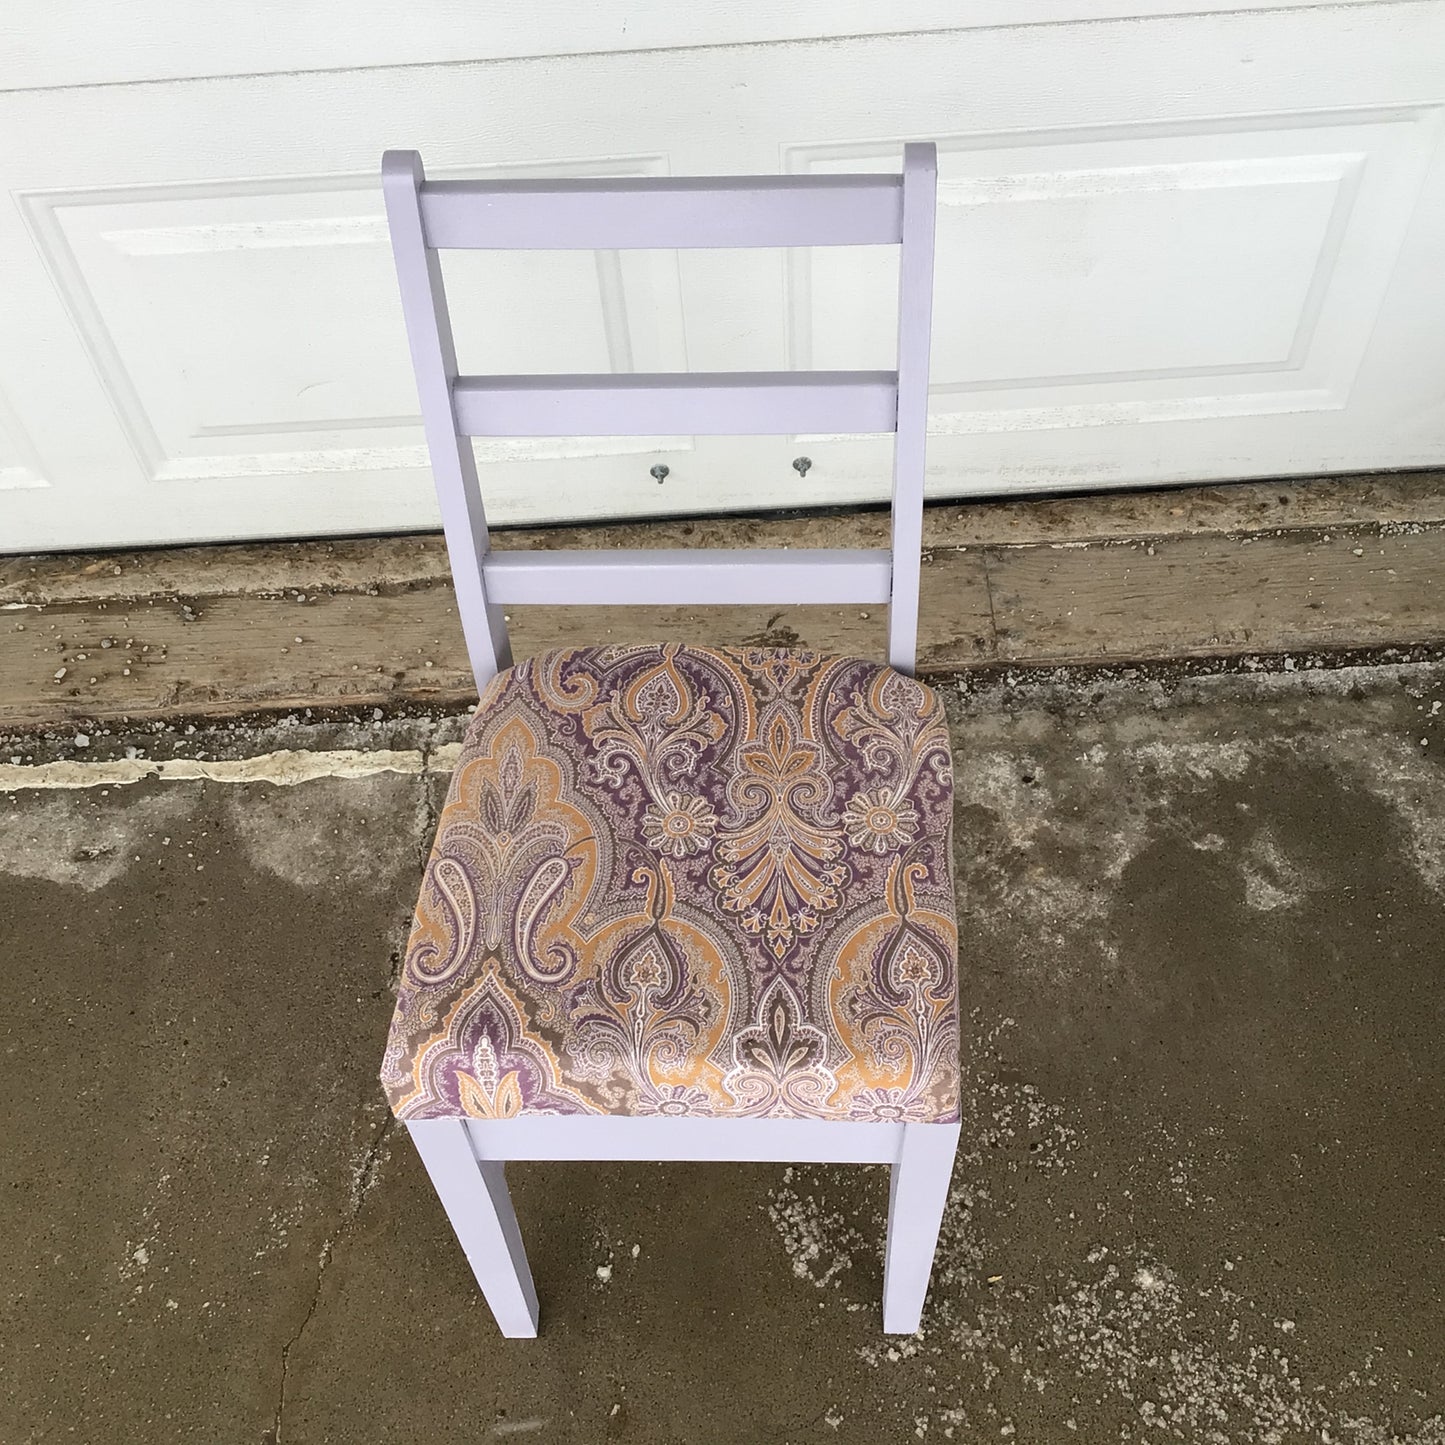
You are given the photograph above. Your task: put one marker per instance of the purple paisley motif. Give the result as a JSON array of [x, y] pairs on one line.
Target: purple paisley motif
[[778, 1062], [485, 1066]]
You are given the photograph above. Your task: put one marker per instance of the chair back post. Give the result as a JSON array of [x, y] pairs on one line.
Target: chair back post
[[915, 331], [434, 361]]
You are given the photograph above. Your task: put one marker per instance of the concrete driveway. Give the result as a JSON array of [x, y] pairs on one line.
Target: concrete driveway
[[1202, 1189]]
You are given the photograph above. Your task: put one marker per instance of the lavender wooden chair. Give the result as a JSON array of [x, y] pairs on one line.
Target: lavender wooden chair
[[684, 902]]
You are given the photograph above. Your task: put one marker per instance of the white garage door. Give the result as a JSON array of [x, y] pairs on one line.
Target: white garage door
[[1172, 246]]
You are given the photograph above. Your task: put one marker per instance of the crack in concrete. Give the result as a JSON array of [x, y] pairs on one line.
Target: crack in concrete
[[428, 815], [362, 1180], [365, 1176]]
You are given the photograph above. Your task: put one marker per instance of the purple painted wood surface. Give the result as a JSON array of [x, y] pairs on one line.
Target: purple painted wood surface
[[434, 360], [915, 337], [463, 1159], [695, 403], [663, 211], [699, 576]]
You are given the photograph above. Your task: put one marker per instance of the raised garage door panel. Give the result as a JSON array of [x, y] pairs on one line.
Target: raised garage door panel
[[1134, 280], [1169, 249], [249, 333]]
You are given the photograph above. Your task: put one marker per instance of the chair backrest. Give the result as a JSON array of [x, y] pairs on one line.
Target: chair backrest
[[426, 217]]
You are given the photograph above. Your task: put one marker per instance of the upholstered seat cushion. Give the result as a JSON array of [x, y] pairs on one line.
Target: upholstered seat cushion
[[686, 880]]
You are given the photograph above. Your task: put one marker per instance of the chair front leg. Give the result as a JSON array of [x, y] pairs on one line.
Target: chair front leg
[[475, 1197], [917, 1194]]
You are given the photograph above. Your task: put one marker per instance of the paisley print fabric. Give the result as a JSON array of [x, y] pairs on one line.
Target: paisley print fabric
[[685, 880]]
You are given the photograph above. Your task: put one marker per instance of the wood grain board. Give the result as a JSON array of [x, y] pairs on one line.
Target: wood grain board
[[1207, 596], [215, 631]]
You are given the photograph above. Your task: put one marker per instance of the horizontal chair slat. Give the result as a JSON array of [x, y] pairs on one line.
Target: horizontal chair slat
[[695, 576], [694, 403], [645, 212]]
